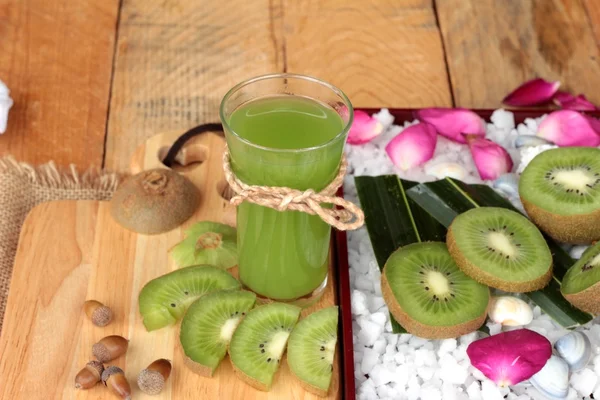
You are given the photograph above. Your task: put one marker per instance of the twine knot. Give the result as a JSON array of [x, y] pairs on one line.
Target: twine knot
[[344, 215]]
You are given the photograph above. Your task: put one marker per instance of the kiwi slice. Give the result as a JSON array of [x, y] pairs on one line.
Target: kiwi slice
[[311, 349], [154, 201], [259, 342], [208, 325], [560, 190], [581, 283], [208, 243], [164, 300], [500, 248], [429, 295]]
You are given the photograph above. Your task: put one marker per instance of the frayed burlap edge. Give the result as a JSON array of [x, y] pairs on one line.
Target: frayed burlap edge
[[49, 176], [22, 187]]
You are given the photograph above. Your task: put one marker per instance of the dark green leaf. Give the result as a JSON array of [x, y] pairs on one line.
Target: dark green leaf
[[447, 198]]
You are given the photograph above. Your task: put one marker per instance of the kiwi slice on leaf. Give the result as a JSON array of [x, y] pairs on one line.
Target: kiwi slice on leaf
[[259, 342], [429, 295], [311, 350], [154, 201], [581, 283], [207, 243], [208, 325], [500, 248], [560, 190], [164, 300]]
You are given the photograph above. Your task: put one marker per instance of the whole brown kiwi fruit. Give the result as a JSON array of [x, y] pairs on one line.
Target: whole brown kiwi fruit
[[154, 201]]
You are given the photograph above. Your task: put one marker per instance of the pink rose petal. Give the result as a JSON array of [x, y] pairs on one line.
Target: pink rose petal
[[570, 128], [535, 91], [491, 159], [452, 122], [569, 102], [364, 128], [580, 103], [413, 146], [510, 357], [561, 97]]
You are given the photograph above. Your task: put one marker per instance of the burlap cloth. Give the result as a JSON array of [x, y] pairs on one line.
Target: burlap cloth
[[22, 187]]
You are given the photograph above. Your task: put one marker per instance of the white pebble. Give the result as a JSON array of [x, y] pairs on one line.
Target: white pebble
[[367, 391], [379, 318], [369, 332], [359, 303], [384, 117], [425, 373], [417, 342], [577, 251], [474, 391], [370, 359], [379, 345], [503, 119], [375, 303], [489, 391], [430, 393], [381, 375], [584, 381], [494, 328], [447, 346]]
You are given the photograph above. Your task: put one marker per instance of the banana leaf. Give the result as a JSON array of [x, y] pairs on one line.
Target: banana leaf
[[445, 199]]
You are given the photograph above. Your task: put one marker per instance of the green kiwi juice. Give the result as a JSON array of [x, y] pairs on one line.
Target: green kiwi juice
[[290, 141]]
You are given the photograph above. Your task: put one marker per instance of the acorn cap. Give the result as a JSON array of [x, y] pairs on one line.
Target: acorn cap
[[112, 370], [102, 316], [150, 381], [96, 366]]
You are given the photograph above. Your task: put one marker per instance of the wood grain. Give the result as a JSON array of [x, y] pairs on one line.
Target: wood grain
[[82, 253], [57, 60], [493, 46], [381, 53], [592, 8], [176, 60]]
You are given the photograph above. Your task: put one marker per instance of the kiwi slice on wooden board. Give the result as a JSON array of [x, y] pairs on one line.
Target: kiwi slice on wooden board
[[311, 350], [208, 325], [581, 283], [154, 201], [429, 295], [560, 190], [208, 243], [500, 248], [164, 300], [259, 342]]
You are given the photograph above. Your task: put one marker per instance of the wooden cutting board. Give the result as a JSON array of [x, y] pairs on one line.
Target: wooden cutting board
[[72, 251]]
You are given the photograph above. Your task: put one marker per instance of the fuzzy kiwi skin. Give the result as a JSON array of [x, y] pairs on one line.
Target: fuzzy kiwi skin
[[572, 229], [587, 300], [425, 331], [482, 276], [154, 201], [251, 381]]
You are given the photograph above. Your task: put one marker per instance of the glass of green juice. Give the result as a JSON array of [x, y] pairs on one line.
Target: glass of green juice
[[284, 130]]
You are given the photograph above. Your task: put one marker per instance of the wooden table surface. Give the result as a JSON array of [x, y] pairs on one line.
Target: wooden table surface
[[91, 79]]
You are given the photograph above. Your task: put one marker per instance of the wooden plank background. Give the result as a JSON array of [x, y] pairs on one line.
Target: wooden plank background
[[92, 79]]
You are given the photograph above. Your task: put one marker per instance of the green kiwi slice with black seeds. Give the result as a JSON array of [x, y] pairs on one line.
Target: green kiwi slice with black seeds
[[164, 300], [581, 283], [429, 295], [560, 190], [208, 325], [500, 248], [259, 342], [311, 350]]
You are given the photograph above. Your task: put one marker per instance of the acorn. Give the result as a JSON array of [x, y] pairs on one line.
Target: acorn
[[89, 375], [110, 347], [152, 379], [114, 378], [100, 314]]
